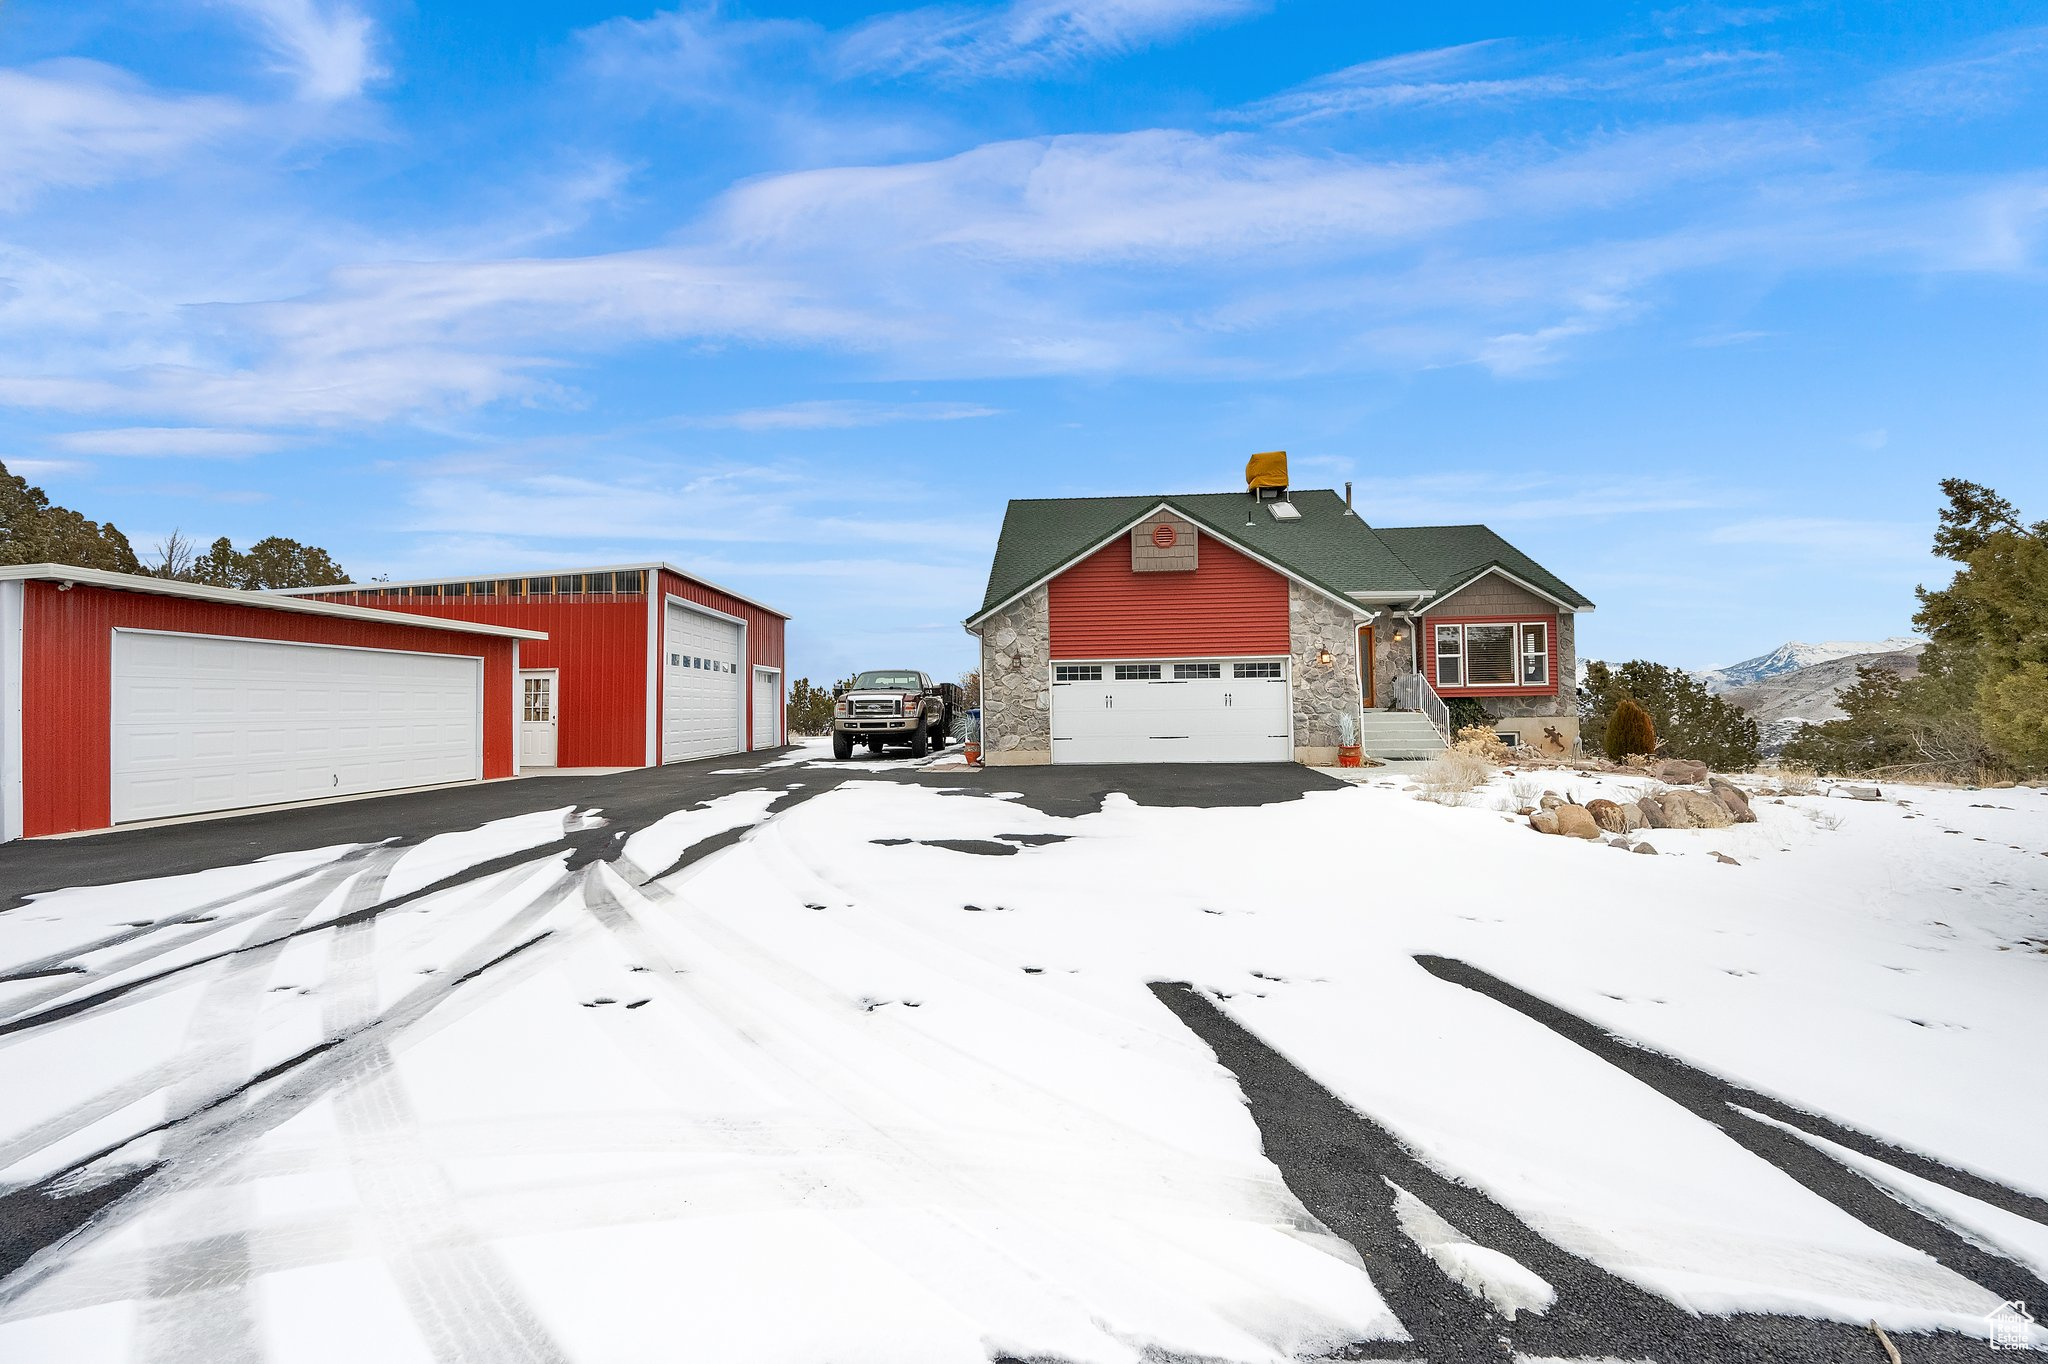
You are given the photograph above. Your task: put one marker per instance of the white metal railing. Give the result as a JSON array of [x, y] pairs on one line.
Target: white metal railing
[[1413, 692]]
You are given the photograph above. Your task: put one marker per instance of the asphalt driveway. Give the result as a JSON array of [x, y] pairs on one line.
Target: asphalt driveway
[[630, 801]]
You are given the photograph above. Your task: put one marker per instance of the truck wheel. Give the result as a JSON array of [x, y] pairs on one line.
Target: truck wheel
[[842, 745], [939, 737], [875, 745], [920, 740]]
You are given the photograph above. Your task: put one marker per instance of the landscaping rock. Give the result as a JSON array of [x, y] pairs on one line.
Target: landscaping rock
[[1551, 800], [1607, 815], [1646, 848], [1682, 771], [1705, 811], [1671, 806], [1544, 821], [1573, 821], [1857, 792], [1652, 811], [1632, 816], [1724, 857], [1732, 800]]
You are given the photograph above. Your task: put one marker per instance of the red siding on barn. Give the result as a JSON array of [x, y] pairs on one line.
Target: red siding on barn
[[1429, 654], [67, 683], [1230, 604], [764, 639], [600, 647]]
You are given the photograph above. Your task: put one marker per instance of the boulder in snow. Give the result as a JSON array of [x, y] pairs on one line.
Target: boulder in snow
[[1607, 815], [1544, 821], [1683, 771], [1573, 821], [1732, 800]]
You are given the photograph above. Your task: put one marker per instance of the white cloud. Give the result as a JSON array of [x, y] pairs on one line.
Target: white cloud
[[73, 124], [1830, 537], [842, 414], [146, 441], [43, 468], [1024, 37], [327, 49]]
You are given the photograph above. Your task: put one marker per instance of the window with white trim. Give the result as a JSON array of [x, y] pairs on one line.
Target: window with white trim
[[1137, 672], [1255, 669], [1492, 654], [1077, 672], [1450, 656], [1535, 655], [1195, 672]]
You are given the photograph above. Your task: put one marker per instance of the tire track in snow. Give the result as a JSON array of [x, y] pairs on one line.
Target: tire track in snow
[[1344, 1166], [1722, 1102], [217, 1134]]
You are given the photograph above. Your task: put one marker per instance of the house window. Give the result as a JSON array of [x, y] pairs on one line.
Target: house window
[[1137, 672], [1255, 669], [1489, 655], [1193, 672], [1535, 655], [1450, 656], [1077, 672], [1493, 655]]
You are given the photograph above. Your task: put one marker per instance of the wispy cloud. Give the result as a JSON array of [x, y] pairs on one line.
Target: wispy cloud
[[328, 49], [156, 441], [73, 124], [1024, 37], [842, 414], [1830, 537]]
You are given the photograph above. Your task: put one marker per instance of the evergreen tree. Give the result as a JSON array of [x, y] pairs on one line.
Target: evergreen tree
[[1630, 730], [1687, 720], [271, 562], [34, 530]]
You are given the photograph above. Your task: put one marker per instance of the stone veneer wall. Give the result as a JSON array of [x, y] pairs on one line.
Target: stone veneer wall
[[1321, 691], [1390, 660], [1016, 683]]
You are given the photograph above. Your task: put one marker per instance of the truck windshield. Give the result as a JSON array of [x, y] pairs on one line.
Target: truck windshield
[[886, 682]]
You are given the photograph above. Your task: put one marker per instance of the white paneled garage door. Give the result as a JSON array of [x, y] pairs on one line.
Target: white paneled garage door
[[219, 724], [702, 685], [1187, 711]]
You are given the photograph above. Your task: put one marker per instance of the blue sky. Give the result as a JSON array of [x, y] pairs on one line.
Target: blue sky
[[1694, 302]]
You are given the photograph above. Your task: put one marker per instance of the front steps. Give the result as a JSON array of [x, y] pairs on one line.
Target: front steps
[[1394, 735]]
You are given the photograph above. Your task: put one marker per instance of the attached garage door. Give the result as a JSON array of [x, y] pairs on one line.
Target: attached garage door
[[702, 686], [1193, 711], [219, 724]]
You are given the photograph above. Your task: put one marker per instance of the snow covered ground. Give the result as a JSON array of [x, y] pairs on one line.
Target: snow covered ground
[[820, 1096]]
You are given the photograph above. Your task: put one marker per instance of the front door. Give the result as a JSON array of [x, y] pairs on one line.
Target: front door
[[539, 720], [1365, 689]]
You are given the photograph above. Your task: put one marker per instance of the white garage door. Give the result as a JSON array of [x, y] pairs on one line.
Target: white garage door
[[1192, 711], [767, 708], [220, 724], [701, 686]]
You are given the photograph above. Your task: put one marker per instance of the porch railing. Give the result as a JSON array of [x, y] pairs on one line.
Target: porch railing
[[1413, 692]]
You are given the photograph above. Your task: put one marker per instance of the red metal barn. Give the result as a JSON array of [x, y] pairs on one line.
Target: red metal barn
[[643, 664], [127, 698]]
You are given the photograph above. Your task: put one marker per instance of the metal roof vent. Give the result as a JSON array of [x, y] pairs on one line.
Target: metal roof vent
[[1284, 511]]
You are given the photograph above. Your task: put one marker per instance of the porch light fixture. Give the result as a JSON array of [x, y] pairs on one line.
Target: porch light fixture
[[1325, 657], [1399, 634]]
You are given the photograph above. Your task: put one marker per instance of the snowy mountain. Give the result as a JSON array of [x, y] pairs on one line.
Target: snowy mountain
[[1788, 658], [1785, 703]]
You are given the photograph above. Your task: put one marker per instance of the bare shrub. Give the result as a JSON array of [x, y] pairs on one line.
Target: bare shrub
[[1823, 820], [1446, 780], [1791, 780], [1526, 791], [1481, 742]]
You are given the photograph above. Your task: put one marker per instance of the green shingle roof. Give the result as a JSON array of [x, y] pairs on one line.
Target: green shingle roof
[[1337, 552], [1445, 557]]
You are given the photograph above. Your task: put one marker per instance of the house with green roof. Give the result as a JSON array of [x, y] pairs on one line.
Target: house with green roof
[[1267, 625]]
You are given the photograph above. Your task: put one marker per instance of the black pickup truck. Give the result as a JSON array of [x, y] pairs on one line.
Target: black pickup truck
[[893, 706]]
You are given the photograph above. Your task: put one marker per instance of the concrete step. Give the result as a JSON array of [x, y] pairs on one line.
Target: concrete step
[[1397, 734]]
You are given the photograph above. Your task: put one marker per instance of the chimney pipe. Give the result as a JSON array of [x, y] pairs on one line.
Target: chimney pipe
[[1347, 492]]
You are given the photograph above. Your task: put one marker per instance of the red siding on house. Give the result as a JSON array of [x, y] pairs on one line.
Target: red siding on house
[[1231, 604], [764, 639], [67, 683], [599, 646], [1429, 654]]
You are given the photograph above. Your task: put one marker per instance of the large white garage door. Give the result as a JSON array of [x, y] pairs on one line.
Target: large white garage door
[[220, 724], [702, 686], [1194, 711]]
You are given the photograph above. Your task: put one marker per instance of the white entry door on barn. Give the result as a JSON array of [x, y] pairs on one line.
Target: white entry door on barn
[[540, 717], [767, 708], [703, 679], [203, 723], [1184, 711]]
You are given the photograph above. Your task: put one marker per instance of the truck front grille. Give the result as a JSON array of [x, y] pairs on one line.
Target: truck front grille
[[877, 707]]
